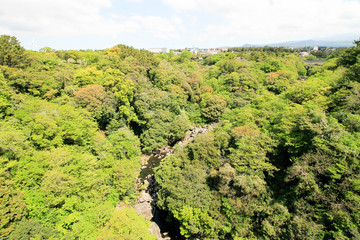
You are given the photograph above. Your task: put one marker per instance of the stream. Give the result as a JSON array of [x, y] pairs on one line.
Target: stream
[[146, 205], [161, 226]]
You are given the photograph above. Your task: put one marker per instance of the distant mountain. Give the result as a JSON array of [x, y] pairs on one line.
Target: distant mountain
[[306, 43]]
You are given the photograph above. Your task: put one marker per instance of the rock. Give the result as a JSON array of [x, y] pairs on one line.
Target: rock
[[145, 197], [144, 209], [155, 230], [147, 200]]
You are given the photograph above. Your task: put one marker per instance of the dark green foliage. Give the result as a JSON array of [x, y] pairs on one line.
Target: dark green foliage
[[272, 66], [30, 229], [12, 54], [212, 107], [12, 207], [98, 102], [351, 60]]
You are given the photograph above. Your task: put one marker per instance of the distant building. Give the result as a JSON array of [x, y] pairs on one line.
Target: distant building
[[216, 50], [303, 54], [205, 51], [213, 51], [316, 48], [159, 50], [193, 50]]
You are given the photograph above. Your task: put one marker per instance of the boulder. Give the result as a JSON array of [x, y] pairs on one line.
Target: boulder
[[145, 197], [155, 230], [144, 209]]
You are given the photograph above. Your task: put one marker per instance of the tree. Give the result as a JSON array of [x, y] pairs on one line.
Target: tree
[[271, 66], [351, 60], [88, 75], [212, 107], [47, 50], [5, 93], [12, 54], [194, 222], [125, 224], [12, 207], [98, 102], [30, 229]]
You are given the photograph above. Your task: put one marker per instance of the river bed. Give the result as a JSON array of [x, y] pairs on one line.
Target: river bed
[[163, 227]]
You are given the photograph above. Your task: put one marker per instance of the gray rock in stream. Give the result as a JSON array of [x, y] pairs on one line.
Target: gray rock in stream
[[145, 197], [155, 230], [144, 209]]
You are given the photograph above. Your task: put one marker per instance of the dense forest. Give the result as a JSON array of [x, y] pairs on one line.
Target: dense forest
[[281, 163]]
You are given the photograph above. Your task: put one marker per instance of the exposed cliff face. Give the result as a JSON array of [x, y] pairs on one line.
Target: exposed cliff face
[[146, 204]]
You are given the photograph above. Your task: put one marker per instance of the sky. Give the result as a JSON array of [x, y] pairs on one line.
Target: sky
[[100, 24]]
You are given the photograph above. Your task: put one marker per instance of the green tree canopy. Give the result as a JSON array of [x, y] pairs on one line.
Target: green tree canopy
[[12, 54]]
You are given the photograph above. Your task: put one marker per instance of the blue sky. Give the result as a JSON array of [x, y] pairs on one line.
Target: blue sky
[[99, 24]]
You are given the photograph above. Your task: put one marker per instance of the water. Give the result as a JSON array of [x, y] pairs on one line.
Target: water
[[148, 169], [169, 227]]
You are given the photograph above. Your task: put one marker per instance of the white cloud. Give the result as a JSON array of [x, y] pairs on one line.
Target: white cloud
[[70, 18], [264, 20], [182, 5], [202, 22], [56, 18], [159, 26]]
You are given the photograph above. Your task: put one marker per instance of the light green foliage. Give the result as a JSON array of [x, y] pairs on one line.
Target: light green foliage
[[265, 137], [32, 82], [124, 223], [46, 151], [49, 124], [89, 75], [194, 222], [281, 163], [92, 56], [271, 66], [72, 56], [280, 81], [125, 147], [185, 56], [311, 89], [121, 87]]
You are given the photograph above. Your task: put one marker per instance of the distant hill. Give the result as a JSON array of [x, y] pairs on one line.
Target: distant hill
[[305, 43]]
